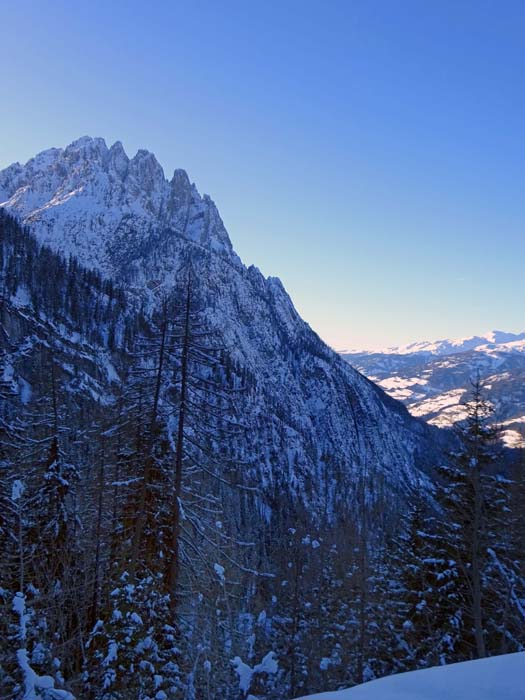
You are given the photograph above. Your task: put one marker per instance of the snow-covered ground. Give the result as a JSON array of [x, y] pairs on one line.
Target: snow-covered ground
[[497, 678]]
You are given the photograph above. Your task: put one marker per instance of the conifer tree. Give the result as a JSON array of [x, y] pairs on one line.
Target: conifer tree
[[466, 496]]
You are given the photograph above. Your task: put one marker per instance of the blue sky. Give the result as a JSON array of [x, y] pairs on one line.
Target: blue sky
[[369, 153]]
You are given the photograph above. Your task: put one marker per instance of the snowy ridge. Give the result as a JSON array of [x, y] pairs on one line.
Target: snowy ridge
[[492, 340]]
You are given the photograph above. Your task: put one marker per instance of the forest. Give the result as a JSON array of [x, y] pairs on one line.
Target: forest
[[141, 558]]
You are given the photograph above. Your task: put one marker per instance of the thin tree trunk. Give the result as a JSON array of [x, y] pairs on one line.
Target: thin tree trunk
[[148, 461], [477, 607], [173, 573], [363, 580], [98, 534]]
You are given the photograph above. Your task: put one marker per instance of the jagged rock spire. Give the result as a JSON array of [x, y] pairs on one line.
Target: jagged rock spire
[[82, 199]]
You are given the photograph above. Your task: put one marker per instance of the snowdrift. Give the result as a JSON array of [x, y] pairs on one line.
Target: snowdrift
[[497, 678]]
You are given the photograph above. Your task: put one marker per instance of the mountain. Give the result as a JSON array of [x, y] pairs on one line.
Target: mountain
[[198, 497], [123, 219], [97, 204], [425, 348], [433, 379]]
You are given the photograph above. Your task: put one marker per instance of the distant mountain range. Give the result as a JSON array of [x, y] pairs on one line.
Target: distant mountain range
[[433, 379]]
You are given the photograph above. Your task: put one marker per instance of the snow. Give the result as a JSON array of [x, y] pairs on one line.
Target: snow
[[25, 390], [245, 673], [513, 438], [513, 431], [17, 491], [401, 383], [268, 664], [219, 570], [497, 678], [112, 654], [22, 297], [447, 404], [514, 346], [33, 683], [403, 388], [449, 346], [19, 607]]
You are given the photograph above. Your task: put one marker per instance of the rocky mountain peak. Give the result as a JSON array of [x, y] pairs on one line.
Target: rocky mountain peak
[[91, 200], [118, 160], [124, 218], [180, 186]]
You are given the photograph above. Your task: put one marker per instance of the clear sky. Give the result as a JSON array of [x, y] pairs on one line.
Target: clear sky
[[371, 153]]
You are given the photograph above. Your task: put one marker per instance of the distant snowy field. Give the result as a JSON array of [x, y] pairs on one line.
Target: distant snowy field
[[497, 678]]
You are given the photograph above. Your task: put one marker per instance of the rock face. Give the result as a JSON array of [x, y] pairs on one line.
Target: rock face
[[433, 379], [317, 422]]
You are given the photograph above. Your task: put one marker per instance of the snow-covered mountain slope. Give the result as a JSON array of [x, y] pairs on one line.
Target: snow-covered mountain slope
[[434, 379], [316, 420], [497, 678]]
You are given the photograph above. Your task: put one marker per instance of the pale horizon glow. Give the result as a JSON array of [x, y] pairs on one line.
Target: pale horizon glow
[[369, 154]]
